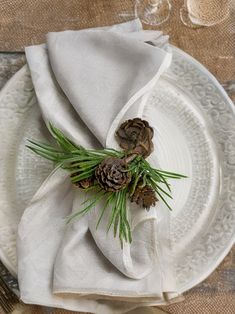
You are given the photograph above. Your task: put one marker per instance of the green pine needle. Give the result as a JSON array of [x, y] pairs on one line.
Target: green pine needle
[[81, 164]]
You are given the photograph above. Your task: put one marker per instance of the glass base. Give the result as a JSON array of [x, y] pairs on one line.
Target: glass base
[[184, 16], [153, 12], [193, 22]]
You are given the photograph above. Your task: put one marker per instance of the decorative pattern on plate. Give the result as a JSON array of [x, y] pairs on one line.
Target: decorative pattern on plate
[[16, 185], [209, 248], [205, 168]]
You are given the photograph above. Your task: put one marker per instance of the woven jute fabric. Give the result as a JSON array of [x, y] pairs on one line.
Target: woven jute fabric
[[25, 22]]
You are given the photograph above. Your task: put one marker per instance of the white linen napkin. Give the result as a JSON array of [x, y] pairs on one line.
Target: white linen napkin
[[87, 82]]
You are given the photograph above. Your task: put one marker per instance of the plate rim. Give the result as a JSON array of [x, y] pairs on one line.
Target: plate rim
[[4, 89], [230, 244]]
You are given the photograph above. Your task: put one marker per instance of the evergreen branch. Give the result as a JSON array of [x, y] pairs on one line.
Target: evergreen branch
[[61, 139], [93, 201], [82, 163], [107, 203]]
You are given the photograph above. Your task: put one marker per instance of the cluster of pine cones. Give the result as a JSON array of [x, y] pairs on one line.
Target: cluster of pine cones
[[135, 137]]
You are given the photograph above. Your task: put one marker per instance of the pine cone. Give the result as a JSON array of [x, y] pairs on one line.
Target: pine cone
[[111, 174], [136, 135], [144, 197], [85, 183]]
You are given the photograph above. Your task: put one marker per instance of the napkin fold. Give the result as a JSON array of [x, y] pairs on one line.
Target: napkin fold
[[87, 82]]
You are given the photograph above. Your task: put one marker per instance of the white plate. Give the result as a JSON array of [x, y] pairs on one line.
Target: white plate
[[195, 123]]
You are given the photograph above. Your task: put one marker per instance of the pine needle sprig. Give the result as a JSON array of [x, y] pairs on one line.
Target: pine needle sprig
[[156, 178], [82, 163]]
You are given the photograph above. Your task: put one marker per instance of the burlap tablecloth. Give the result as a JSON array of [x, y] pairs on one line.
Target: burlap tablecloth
[[25, 22]]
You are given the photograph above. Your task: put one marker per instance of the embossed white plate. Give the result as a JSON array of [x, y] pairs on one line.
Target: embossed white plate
[[195, 134]]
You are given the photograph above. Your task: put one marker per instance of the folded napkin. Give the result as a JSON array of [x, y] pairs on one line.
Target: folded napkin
[[87, 82]]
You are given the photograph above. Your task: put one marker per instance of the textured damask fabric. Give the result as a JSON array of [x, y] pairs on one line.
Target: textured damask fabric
[[85, 63]]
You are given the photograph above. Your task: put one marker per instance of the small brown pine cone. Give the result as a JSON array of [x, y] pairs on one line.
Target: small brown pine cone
[[85, 183], [136, 135], [111, 174], [144, 197]]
